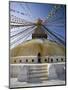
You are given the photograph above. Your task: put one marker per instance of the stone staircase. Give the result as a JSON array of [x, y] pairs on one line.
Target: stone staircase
[[38, 73], [33, 73]]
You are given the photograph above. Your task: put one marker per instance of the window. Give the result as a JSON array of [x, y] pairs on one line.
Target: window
[[14, 61], [20, 61], [45, 60], [61, 59], [51, 59], [26, 60], [57, 59], [32, 60]]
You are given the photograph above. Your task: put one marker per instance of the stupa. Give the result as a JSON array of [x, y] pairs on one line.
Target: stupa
[[36, 54]]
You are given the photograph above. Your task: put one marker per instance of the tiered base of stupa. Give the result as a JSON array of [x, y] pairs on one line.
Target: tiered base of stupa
[[33, 73]]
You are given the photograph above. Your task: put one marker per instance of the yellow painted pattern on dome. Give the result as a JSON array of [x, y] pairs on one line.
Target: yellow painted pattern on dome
[[34, 46]]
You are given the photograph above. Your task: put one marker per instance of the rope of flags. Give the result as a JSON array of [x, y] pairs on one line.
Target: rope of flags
[[53, 11], [16, 11], [17, 21]]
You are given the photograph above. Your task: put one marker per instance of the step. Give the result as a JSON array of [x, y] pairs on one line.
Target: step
[[41, 78], [38, 66], [39, 75], [37, 80], [40, 71]]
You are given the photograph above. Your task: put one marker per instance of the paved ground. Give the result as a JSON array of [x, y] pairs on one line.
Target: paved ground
[[15, 83]]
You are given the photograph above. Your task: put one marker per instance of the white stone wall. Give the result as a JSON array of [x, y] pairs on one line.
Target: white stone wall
[[55, 71]]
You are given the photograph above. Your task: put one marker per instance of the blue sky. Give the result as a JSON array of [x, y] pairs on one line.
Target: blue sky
[[33, 11], [36, 10]]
